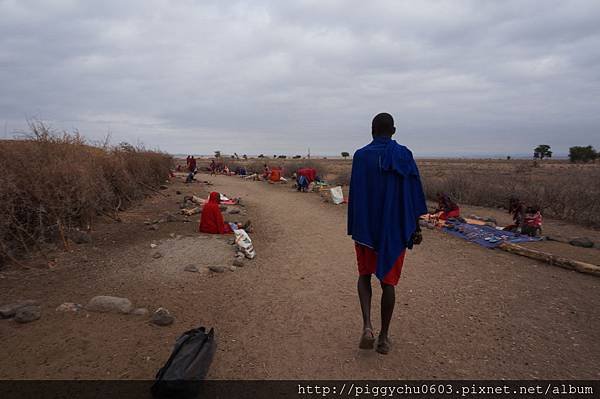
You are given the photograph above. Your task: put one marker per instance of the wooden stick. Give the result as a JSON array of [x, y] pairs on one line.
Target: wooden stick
[[62, 236], [565, 263], [153, 189]]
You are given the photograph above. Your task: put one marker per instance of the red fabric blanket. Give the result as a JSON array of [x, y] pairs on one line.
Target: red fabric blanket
[[212, 220], [309, 173]]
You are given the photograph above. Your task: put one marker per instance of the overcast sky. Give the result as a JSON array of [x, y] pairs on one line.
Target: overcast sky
[[459, 77]]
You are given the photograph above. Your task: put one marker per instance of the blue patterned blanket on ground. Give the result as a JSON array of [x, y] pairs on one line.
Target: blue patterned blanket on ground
[[486, 236]]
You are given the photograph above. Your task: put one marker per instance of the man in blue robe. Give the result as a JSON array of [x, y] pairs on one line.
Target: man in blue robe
[[385, 202]]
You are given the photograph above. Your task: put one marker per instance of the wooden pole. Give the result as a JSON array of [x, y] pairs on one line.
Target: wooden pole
[[551, 259]]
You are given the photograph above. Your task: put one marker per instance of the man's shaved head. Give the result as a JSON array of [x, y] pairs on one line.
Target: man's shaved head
[[383, 125]]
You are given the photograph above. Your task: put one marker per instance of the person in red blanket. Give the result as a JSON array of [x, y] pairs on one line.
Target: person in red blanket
[[446, 208], [212, 222], [532, 225]]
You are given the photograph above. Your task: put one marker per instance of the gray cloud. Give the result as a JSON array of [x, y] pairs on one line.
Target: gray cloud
[[460, 77]]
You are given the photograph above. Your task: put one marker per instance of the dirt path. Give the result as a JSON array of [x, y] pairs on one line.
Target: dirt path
[[462, 311]]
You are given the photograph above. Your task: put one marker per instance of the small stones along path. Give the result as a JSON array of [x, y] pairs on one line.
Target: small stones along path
[[462, 311]]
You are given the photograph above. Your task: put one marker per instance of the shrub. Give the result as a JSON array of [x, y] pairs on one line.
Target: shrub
[[55, 182], [582, 154]]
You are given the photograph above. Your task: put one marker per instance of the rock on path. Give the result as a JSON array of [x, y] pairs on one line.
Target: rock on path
[[9, 310], [162, 317], [28, 314], [105, 304]]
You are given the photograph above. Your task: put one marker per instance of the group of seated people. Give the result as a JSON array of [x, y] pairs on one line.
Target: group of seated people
[[526, 220], [212, 221]]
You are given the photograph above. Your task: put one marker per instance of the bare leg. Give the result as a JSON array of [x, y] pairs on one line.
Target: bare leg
[[364, 295], [388, 300]]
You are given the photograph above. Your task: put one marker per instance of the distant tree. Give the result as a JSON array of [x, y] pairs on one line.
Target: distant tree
[[232, 156], [542, 151], [245, 156], [218, 154], [582, 154], [508, 157], [345, 154], [297, 156], [274, 156], [235, 155], [261, 156], [282, 157]]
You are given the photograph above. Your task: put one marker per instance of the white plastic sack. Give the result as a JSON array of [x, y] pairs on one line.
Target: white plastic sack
[[244, 243], [337, 195]]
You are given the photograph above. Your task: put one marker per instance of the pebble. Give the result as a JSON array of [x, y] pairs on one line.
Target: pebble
[[153, 245], [80, 237], [9, 310], [28, 314], [191, 268], [139, 312], [105, 303], [178, 192], [69, 307], [153, 227], [163, 187], [162, 317], [583, 242], [157, 255], [217, 269], [232, 268], [172, 235], [238, 262]]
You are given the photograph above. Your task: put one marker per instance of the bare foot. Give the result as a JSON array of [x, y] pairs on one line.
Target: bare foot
[[367, 339], [383, 345]]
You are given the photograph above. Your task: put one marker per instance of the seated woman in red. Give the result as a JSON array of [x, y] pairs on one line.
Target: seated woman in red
[[212, 220], [446, 207]]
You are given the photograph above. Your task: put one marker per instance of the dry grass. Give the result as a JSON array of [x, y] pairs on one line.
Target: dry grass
[[53, 183], [562, 190]]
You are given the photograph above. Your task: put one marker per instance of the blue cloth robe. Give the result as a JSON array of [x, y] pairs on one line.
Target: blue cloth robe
[[385, 201]]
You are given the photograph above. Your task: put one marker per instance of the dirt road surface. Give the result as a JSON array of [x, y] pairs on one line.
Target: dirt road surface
[[462, 311]]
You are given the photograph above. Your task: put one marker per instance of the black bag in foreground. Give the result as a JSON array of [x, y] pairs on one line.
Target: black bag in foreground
[[182, 375]]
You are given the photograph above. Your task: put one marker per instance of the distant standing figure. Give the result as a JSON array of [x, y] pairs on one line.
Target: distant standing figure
[[192, 164], [385, 202]]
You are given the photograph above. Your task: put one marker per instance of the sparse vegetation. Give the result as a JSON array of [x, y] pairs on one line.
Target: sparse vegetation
[[563, 190], [55, 182], [582, 154]]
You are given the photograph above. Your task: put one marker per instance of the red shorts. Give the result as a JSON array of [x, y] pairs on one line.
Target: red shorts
[[367, 264]]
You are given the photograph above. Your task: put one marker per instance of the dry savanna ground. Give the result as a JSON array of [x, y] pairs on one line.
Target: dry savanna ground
[[462, 311]]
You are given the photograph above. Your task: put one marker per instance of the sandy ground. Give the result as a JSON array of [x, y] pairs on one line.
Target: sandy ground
[[462, 311]]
